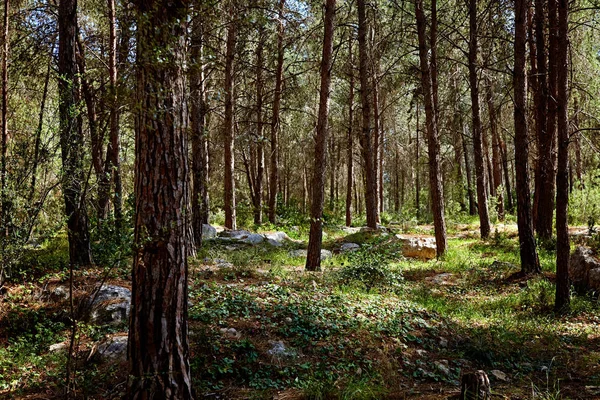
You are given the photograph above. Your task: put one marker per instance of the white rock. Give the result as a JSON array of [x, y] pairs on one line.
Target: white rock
[[208, 232], [112, 349], [501, 376], [277, 239], [111, 305], [417, 247], [349, 247]]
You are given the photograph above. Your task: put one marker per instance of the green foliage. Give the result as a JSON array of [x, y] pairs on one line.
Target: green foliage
[[370, 266]]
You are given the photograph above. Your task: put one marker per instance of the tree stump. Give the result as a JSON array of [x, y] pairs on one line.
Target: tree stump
[[475, 386]]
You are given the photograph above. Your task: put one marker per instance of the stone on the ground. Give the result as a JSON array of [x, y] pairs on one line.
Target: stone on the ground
[[417, 247], [475, 386], [110, 305], [443, 342], [220, 263], [442, 366], [349, 247], [279, 350], [350, 230], [208, 232], [325, 254], [56, 347], [231, 333], [277, 239], [584, 270], [59, 293], [501, 376], [113, 349], [440, 279]]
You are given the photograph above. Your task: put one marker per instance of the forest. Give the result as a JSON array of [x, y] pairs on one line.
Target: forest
[[300, 199]]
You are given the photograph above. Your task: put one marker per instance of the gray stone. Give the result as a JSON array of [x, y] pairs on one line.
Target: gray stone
[[501, 376], [584, 269], [417, 247], [231, 333], [298, 253], [443, 342], [277, 239], [349, 230], [58, 347], [220, 263], [325, 254], [440, 279], [349, 247], [279, 350], [113, 349], [110, 305], [442, 366], [60, 293], [208, 232], [253, 238]]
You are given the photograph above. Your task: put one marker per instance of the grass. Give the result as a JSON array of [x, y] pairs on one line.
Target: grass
[[341, 339]]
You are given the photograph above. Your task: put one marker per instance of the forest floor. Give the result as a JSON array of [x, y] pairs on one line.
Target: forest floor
[[262, 328]]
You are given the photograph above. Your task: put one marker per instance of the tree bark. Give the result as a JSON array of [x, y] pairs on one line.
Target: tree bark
[[71, 137], [260, 155], [366, 134], [350, 138], [482, 204], [496, 161], [562, 179], [229, 126], [529, 258], [433, 143], [274, 167], [313, 258], [158, 344], [4, 220]]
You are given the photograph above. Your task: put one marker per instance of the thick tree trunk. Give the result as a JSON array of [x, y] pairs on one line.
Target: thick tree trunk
[[229, 126], [366, 141], [562, 185], [313, 258], [482, 204], [158, 344], [274, 167], [433, 143], [71, 137], [350, 138], [529, 258]]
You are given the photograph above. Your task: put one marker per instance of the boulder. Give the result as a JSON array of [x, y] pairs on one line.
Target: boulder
[[280, 351], [584, 270], [241, 236], [208, 232], [113, 349], [325, 254], [277, 239], [349, 247], [417, 247], [110, 305]]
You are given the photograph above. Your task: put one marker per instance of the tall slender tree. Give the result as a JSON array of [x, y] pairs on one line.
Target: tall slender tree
[[158, 343], [228, 123], [313, 258], [433, 142], [350, 136], [71, 136], [529, 258]]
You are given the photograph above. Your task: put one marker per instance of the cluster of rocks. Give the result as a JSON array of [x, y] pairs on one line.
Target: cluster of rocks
[[276, 239]]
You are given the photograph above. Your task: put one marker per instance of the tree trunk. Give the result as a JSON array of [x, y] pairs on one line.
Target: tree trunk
[[529, 258], [199, 131], [274, 168], [228, 125], [433, 143], [313, 258], [482, 204], [158, 344], [366, 136], [417, 164], [350, 138], [496, 161], [562, 185], [4, 220], [71, 137], [260, 155]]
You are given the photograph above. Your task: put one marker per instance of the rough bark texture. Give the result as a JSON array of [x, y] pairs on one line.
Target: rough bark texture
[[158, 344], [260, 155], [274, 167], [496, 159], [313, 258], [4, 204], [433, 143], [562, 179], [366, 134], [482, 204], [71, 137], [529, 258]]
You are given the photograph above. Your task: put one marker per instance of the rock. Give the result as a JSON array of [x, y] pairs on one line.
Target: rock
[[241, 236], [208, 232], [421, 352], [475, 386], [349, 247], [220, 263], [380, 229], [417, 247], [277, 239], [59, 293], [325, 254], [231, 248], [279, 350], [57, 347], [443, 342], [584, 270], [113, 349], [232, 333], [440, 279], [348, 230], [110, 305], [501, 376], [442, 366]]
